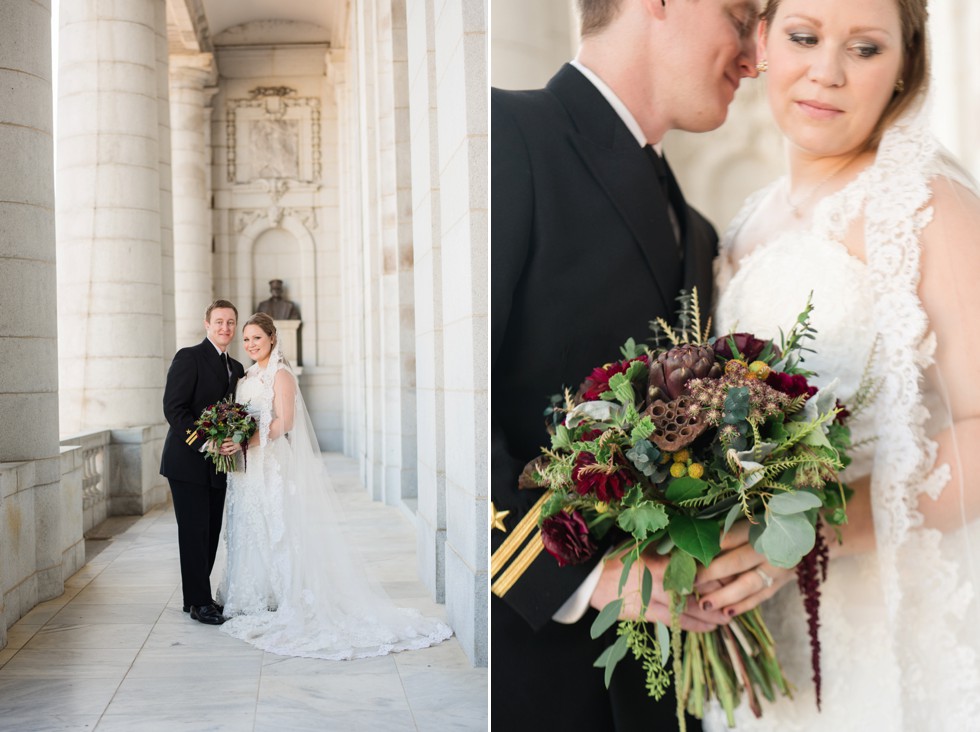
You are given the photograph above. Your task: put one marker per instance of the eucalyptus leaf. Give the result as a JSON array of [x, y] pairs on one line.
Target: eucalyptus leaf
[[736, 407], [796, 502], [700, 539], [628, 560], [663, 640], [611, 656], [646, 586], [680, 572], [607, 618], [786, 539], [733, 513]]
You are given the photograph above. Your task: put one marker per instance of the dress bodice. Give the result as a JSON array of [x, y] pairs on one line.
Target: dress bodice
[[765, 291]]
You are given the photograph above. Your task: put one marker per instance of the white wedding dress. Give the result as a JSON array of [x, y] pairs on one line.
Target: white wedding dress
[[899, 628], [292, 586]]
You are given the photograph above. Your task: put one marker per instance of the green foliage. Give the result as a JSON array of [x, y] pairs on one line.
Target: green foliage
[[683, 489], [785, 539], [698, 538], [643, 519], [680, 572]]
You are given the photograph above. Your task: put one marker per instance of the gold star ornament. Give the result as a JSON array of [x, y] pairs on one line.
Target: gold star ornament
[[497, 518]]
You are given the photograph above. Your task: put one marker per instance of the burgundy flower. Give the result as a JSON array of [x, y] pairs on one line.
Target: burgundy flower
[[604, 485], [792, 385], [597, 382], [747, 344], [842, 415], [566, 537]]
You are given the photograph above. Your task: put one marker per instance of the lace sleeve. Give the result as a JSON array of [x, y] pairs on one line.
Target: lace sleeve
[[724, 266], [283, 404]]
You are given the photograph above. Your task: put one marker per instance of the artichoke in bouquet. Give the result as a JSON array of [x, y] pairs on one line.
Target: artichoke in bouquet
[[672, 370]]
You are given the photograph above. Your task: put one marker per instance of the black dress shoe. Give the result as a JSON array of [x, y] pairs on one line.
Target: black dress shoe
[[221, 608], [207, 614]]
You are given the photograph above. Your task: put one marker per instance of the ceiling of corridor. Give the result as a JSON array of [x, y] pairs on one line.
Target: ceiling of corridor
[[253, 22]]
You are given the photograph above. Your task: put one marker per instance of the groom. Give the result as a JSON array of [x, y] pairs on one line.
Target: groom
[[591, 239], [199, 376]]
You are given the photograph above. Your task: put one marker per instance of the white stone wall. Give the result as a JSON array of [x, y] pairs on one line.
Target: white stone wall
[[529, 41], [283, 225]]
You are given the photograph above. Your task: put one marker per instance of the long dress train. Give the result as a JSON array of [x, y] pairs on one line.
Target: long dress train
[[292, 585]]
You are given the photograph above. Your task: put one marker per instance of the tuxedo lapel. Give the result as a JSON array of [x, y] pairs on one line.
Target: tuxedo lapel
[[214, 362], [625, 173]]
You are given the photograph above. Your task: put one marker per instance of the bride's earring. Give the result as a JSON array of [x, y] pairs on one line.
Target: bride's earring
[[900, 86], [763, 66]]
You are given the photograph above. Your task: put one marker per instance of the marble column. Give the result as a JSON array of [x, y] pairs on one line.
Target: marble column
[[461, 102], [423, 127], [190, 75], [30, 466], [110, 256], [169, 344]]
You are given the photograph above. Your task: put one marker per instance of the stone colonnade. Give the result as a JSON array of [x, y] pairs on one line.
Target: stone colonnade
[[192, 83], [40, 488], [115, 258], [417, 258]]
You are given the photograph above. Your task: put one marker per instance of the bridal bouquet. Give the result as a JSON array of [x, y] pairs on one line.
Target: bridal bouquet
[[224, 420], [668, 448]]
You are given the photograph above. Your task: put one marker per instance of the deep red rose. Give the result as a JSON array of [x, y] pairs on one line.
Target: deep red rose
[[597, 382], [605, 486], [566, 537], [792, 385], [747, 344]]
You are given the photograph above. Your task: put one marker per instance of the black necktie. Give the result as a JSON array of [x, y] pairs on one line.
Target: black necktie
[[660, 166], [224, 362]]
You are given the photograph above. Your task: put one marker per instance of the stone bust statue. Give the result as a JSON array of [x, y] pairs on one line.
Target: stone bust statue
[[277, 306]]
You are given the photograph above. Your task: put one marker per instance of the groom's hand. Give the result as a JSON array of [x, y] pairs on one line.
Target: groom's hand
[[694, 618]]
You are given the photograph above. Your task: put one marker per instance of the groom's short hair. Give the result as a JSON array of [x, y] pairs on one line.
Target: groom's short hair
[[219, 304], [596, 14]]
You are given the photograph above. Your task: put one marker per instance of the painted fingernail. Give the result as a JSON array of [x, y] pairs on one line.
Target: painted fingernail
[[706, 605], [730, 612]]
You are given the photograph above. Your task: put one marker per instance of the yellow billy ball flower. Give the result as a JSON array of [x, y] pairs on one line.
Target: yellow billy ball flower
[[682, 456], [760, 369], [601, 506], [695, 470], [678, 470]]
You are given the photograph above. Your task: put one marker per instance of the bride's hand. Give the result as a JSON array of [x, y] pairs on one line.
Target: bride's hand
[[746, 578], [229, 447]]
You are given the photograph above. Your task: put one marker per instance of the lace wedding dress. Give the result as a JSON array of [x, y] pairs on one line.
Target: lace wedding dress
[[900, 627], [292, 585]]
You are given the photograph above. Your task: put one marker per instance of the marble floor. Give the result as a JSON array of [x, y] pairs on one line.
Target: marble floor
[[115, 652]]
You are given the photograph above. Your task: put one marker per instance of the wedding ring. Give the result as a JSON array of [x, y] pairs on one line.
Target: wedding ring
[[766, 579]]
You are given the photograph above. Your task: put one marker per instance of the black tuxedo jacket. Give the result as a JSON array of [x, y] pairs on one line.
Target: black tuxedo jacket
[[197, 379], [583, 257]]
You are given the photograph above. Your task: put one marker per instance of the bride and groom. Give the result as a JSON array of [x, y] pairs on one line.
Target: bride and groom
[[874, 218], [292, 586]]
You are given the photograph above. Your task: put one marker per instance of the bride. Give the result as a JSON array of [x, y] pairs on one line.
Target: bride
[[292, 586], [882, 226]]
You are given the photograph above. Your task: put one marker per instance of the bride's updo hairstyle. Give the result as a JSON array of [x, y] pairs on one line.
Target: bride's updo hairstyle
[[266, 323], [913, 15]]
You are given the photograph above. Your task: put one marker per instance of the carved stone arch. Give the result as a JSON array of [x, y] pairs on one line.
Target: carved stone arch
[[251, 224]]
